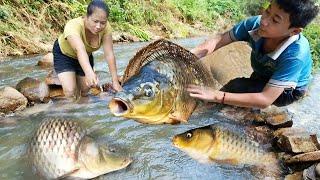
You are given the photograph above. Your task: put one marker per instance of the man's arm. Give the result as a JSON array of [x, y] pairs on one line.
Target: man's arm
[[212, 44], [260, 100]]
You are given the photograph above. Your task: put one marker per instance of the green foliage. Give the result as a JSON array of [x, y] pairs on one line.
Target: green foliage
[[312, 33], [142, 35], [4, 13]]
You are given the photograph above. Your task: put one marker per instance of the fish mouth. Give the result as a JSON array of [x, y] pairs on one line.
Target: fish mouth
[[119, 107], [127, 161], [174, 141]]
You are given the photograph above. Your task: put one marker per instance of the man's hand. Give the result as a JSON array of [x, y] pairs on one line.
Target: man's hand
[[205, 93]]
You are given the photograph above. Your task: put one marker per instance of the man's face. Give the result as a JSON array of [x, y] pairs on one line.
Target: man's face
[[275, 23]]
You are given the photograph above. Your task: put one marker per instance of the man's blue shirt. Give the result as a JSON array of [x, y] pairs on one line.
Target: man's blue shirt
[[289, 66]]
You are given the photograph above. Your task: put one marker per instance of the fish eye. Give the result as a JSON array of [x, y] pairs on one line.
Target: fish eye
[[148, 91], [112, 150], [189, 135]]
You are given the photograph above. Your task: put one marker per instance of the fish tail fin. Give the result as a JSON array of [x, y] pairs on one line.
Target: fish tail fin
[[272, 166]]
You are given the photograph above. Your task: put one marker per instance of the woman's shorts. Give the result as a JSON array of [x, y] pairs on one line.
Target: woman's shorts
[[63, 63]]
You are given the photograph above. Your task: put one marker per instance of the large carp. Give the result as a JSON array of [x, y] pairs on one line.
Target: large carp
[[215, 143], [61, 148], [154, 84]]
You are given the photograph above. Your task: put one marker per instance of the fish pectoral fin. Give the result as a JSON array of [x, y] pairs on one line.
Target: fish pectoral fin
[[273, 172], [67, 175], [226, 161], [177, 118]]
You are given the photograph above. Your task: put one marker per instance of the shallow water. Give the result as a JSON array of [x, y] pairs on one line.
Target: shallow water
[[149, 145]]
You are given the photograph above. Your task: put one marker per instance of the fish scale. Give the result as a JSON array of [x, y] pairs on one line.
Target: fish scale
[[234, 146], [219, 144], [52, 150], [61, 148], [174, 68]]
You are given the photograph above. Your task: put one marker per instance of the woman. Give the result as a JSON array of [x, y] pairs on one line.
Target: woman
[[73, 60]]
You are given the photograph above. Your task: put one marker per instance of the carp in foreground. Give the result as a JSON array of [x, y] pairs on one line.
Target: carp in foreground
[[61, 148], [154, 84], [215, 143]]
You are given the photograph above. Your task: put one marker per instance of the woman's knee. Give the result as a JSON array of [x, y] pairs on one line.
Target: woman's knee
[[69, 92]]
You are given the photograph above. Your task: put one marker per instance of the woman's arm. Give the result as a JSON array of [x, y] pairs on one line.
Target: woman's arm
[[77, 45], [109, 56], [212, 44], [260, 100]]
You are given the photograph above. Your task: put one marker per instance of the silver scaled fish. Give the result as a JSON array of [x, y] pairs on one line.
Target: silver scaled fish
[[61, 148]]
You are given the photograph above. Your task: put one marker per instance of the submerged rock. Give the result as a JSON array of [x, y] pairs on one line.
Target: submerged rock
[[52, 78], [34, 90], [11, 100], [55, 91], [46, 61]]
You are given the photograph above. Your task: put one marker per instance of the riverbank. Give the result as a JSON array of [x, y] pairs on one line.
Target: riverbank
[[28, 28], [31, 27]]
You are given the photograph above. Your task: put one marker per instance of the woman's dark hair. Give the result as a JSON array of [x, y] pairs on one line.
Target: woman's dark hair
[[97, 4], [301, 12]]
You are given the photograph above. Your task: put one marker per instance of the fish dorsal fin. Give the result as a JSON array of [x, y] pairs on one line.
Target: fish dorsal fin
[[156, 50]]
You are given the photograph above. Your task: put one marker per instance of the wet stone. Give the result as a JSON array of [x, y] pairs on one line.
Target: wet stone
[[55, 91], [46, 61], [294, 176], [277, 117], [52, 78], [306, 157], [301, 142], [33, 89], [289, 131], [279, 120], [11, 100]]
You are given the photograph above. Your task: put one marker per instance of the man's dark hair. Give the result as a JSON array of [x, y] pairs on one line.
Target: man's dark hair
[[301, 12], [97, 4]]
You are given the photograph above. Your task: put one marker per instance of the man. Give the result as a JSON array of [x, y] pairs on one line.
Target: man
[[280, 58]]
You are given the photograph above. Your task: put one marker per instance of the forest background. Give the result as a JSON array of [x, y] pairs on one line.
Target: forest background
[[31, 26]]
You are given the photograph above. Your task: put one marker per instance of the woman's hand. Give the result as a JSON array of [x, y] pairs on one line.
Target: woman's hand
[[91, 79], [116, 85], [205, 93]]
